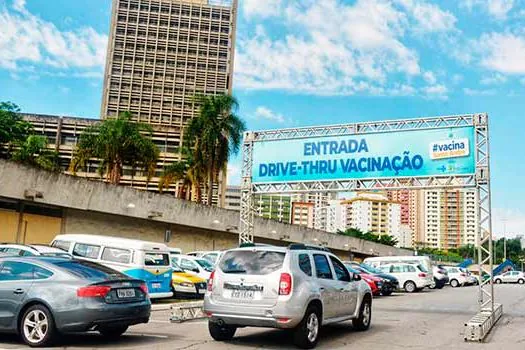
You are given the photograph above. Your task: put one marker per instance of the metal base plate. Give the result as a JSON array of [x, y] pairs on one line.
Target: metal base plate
[[186, 312], [480, 325]]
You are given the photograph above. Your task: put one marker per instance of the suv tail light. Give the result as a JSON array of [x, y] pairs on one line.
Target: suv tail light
[[210, 281], [93, 291], [285, 284], [422, 274], [144, 288], [463, 274]]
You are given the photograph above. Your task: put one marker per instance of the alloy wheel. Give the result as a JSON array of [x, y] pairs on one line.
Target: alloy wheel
[[312, 325], [35, 326]]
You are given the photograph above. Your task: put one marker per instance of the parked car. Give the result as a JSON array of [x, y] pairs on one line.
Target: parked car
[[201, 267], [440, 277], [472, 278], [389, 284], [375, 283], [299, 287], [412, 278], [510, 277], [457, 278], [31, 250], [42, 297], [186, 284], [147, 261]]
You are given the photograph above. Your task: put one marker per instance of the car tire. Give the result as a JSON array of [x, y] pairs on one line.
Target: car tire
[[221, 332], [433, 285], [362, 323], [410, 287], [454, 283], [306, 334], [521, 281], [498, 281], [112, 332], [37, 326]]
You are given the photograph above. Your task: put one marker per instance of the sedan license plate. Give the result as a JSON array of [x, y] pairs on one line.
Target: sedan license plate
[[242, 294], [156, 285], [126, 293]]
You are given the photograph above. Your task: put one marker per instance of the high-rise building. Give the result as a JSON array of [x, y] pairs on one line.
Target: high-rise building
[[303, 214], [161, 53], [320, 202], [273, 206], [232, 199]]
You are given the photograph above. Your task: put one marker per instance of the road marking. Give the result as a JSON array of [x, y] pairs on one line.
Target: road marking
[[148, 335], [158, 321]]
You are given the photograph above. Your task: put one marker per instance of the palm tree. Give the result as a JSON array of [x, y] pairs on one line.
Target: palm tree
[[117, 143], [213, 136], [187, 171], [33, 151], [173, 173]]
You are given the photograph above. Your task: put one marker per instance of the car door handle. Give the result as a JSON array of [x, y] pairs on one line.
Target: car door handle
[[18, 291]]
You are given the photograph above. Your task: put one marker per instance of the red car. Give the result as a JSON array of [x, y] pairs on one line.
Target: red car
[[374, 282]]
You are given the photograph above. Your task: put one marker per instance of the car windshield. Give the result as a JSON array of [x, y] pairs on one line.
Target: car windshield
[[251, 262], [89, 270], [370, 269], [175, 266], [205, 264]]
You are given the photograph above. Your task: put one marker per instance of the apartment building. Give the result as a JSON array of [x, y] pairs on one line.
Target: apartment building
[[303, 214]]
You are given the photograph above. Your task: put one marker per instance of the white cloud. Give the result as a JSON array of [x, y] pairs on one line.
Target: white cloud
[[429, 77], [329, 48], [457, 78], [498, 9], [429, 17], [265, 113], [234, 174], [261, 8], [508, 223], [438, 91], [493, 79], [502, 52], [28, 39], [475, 92]]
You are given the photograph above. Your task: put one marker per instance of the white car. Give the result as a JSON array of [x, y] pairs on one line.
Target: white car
[[510, 277], [31, 250], [471, 278], [411, 277], [457, 277], [201, 267]]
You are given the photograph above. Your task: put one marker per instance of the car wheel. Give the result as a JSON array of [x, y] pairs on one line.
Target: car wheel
[[454, 283], [410, 287], [37, 327], [433, 285], [306, 334], [521, 281], [362, 323], [498, 281], [112, 332], [221, 332]]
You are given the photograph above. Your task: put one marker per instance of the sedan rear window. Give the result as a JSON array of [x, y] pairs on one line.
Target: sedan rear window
[[251, 262], [89, 270]]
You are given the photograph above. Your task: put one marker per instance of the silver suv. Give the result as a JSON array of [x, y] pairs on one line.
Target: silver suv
[[300, 288]]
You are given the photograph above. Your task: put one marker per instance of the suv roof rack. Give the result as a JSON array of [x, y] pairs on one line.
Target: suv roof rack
[[302, 246]]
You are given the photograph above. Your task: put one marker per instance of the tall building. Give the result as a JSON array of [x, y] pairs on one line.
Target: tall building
[[232, 199], [274, 207], [303, 214], [161, 53], [450, 218], [320, 201], [366, 211]]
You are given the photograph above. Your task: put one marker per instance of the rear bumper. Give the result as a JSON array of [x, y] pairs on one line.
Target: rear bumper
[[160, 295], [91, 317]]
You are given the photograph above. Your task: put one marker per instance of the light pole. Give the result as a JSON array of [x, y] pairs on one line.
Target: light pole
[[504, 239]]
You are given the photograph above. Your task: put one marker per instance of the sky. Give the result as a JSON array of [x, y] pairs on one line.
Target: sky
[[308, 62]]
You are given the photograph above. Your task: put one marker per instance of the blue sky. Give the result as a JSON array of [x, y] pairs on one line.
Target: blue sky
[[308, 62]]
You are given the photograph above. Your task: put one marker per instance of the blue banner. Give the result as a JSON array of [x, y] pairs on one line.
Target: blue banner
[[447, 151]]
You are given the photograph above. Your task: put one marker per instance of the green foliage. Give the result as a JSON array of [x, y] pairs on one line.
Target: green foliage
[[369, 236], [33, 151], [212, 137], [117, 143], [12, 128]]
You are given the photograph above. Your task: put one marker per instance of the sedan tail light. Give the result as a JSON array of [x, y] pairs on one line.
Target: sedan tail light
[[210, 281], [285, 284], [144, 288], [93, 291]]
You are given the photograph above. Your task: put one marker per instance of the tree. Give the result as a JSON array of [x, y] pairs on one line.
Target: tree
[[369, 236], [33, 151], [213, 136], [173, 173], [13, 129], [117, 143]]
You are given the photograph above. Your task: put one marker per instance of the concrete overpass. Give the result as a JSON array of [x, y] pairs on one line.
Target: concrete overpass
[[85, 206]]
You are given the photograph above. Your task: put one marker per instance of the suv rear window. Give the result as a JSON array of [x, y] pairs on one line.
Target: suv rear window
[[251, 262], [90, 270]]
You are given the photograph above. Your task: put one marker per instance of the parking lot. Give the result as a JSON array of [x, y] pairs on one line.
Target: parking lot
[[426, 320]]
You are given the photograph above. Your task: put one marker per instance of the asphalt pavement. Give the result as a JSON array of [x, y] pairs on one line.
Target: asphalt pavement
[[426, 320]]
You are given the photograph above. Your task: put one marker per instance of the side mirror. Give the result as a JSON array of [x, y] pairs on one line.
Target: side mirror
[[357, 277], [195, 270]]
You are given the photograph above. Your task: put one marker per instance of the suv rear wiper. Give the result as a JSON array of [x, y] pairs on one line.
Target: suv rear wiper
[[234, 271]]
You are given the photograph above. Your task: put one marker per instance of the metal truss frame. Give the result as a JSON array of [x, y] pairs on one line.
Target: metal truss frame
[[489, 313]]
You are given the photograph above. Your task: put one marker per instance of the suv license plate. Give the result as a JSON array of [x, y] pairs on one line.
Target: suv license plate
[[202, 291], [156, 285], [242, 294], [126, 293]]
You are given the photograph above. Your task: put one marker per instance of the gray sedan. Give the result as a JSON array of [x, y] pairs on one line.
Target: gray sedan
[[43, 296]]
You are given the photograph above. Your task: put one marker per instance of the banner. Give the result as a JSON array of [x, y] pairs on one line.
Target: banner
[[447, 151]]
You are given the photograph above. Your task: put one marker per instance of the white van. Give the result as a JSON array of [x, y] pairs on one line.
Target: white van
[[147, 261], [408, 259]]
